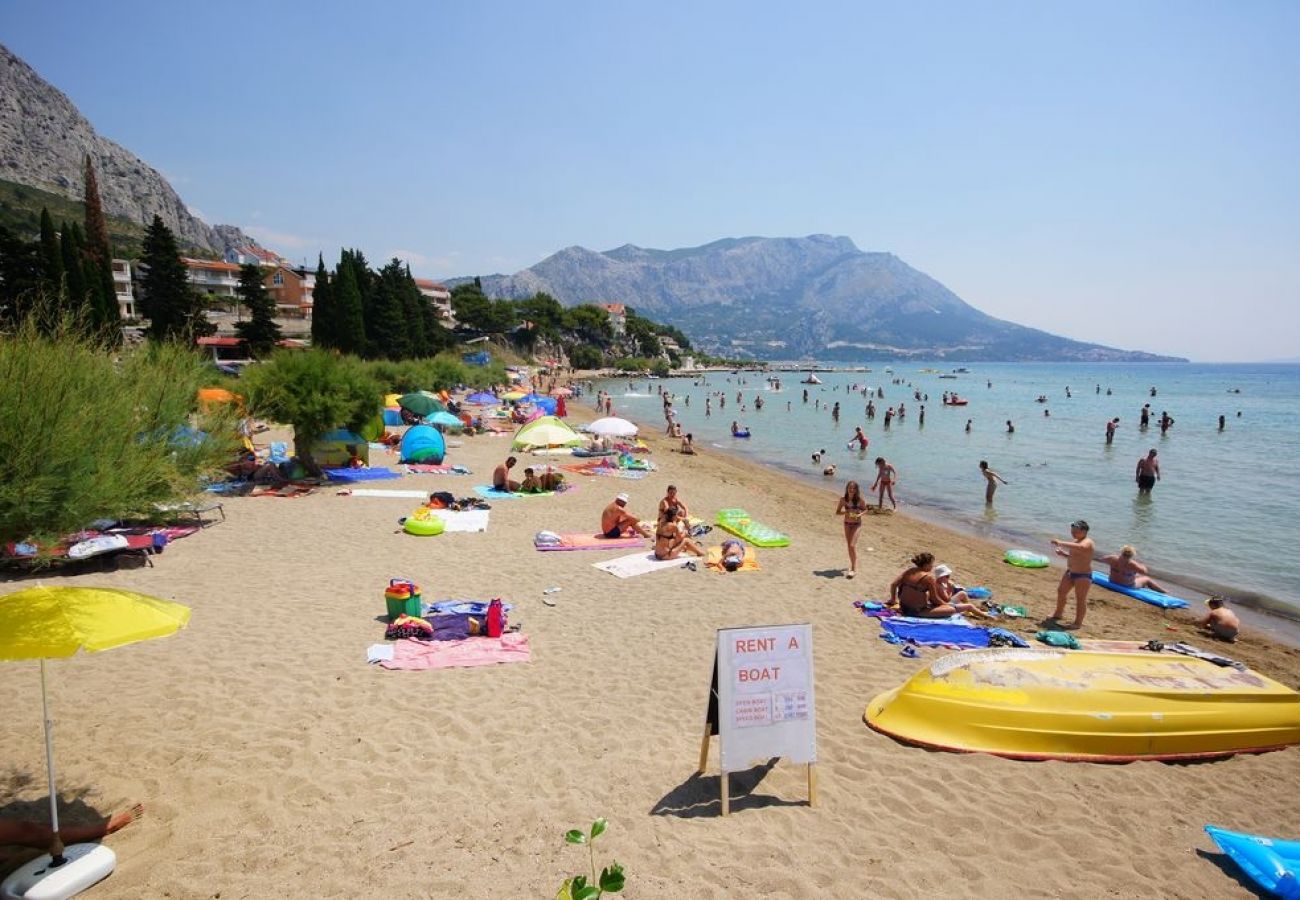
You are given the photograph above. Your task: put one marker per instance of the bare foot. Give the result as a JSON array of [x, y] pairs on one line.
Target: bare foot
[[120, 820]]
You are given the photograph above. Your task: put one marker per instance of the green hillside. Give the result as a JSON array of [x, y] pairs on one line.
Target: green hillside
[[20, 212]]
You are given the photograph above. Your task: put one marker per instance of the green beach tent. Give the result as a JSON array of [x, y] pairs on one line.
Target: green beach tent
[[547, 431]]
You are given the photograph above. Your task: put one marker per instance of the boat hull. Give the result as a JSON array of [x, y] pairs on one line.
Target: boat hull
[[1088, 706]]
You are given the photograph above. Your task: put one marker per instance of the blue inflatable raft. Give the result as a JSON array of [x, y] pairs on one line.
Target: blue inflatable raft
[[1271, 863], [1155, 598]]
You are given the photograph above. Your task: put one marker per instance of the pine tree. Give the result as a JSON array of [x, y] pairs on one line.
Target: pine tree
[[74, 272], [349, 329], [412, 301], [386, 318], [260, 331], [51, 256], [172, 307], [99, 263], [323, 314]]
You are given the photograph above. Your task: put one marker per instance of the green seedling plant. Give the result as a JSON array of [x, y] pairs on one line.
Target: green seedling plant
[[579, 887]]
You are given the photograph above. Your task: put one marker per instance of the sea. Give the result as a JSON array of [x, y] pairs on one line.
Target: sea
[[1222, 520]]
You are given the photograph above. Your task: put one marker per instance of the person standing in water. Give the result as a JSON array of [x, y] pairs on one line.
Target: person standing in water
[[1110, 430], [991, 478], [859, 438], [1144, 420], [1223, 423], [851, 507], [968, 421], [1011, 429], [1166, 421], [886, 476], [1148, 472]]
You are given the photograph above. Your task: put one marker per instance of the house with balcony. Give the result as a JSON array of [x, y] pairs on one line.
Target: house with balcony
[[257, 256], [437, 294], [122, 287], [213, 277], [292, 289]]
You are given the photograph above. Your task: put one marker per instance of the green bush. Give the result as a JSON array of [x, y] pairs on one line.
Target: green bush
[[87, 436], [585, 356], [314, 391]]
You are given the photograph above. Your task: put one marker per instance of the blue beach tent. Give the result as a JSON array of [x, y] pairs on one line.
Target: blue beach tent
[[423, 444]]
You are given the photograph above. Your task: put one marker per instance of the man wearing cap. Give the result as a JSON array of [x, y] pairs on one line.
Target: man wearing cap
[[617, 522]]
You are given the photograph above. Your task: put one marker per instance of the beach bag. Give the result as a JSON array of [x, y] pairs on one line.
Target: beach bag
[[496, 619], [547, 539]]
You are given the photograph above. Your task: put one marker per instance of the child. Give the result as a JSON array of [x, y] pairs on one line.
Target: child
[[1078, 572], [992, 478], [354, 458], [1220, 621]]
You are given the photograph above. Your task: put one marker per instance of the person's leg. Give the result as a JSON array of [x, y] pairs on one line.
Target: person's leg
[[37, 834], [988, 492], [851, 539], [1146, 581], [942, 611], [880, 497], [1062, 594], [1081, 586], [892, 501]]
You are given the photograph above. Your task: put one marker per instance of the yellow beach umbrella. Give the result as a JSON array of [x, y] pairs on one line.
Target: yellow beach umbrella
[[51, 622], [513, 395]]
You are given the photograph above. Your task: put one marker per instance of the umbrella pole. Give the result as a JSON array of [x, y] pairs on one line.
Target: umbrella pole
[[56, 844]]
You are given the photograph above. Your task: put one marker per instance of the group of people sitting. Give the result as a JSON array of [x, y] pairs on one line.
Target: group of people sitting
[[671, 532], [925, 590], [534, 482]]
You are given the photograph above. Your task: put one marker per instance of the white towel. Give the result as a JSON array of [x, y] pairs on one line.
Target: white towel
[[463, 520], [387, 492], [640, 564], [377, 652]]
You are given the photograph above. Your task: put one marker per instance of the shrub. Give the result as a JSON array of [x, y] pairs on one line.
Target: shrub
[[314, 391], [86, 436], [579, 887]]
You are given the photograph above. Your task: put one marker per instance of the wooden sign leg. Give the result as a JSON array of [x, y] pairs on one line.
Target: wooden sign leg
[[726, 794], [812, 784], [704, 749]]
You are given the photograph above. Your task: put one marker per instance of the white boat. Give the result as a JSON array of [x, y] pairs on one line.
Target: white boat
[[811, 379]]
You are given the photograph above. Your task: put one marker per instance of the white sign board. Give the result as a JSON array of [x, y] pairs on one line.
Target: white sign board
[[765, 695]]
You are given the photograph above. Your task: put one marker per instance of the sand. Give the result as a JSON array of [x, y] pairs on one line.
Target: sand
[[273, 761]]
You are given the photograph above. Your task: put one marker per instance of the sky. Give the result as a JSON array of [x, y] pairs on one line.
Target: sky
[[1119, 172]]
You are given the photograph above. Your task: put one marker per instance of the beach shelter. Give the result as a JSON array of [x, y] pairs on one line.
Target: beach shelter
[[546, 404], [547, 431], [52, 622], [482, 398], [612, 426], [423, 444]]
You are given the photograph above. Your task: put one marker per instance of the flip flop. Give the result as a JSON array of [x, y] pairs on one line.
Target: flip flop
[[910, 652]]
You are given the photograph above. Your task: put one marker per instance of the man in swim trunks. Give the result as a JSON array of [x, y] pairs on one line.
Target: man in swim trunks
[[671, 499], [617, 522], [501, 476], [1148, 472], [1078, 572], [1126, 570], [1221, 621]]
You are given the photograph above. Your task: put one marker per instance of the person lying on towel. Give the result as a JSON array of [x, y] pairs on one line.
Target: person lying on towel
[[733, 554]]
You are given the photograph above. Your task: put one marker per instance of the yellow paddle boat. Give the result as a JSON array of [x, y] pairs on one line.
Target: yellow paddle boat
[[1088, 706]]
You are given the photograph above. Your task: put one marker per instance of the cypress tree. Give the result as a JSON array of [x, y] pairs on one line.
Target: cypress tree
[[386, 320], [260, 331], [99, 262], [412, 301], [323, 314], [74, 272], [167, 300], [51, 255], [349, 330]]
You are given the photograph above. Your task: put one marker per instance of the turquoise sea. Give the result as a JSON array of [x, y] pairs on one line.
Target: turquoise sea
[[1221, 520]]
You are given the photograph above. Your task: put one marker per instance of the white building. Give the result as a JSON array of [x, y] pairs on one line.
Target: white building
[[212, 277], [122, 287], [439, 296]]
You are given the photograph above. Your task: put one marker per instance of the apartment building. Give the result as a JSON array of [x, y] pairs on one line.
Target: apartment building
[[439, 296], [122, 287], [293, 291], [213, 277]]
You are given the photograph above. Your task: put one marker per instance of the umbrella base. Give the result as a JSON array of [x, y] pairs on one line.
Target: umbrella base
[[87, 864]]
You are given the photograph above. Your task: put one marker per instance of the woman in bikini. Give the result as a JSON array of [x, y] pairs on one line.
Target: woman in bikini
[[851, 507], [915, 592], [886, 475]]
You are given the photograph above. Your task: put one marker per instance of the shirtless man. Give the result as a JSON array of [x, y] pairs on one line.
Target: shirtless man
[[1078, 572], [1221, 621], [1148, 472], [671, 499], [617, 522], [992, 478], [1126, 570], [1110, 429], [501, 476]]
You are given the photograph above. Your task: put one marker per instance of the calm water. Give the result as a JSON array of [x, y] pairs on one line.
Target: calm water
[[1222, 518]]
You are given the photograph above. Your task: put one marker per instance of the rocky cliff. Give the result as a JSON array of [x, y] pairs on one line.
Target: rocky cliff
[[44, 140], [783, 298]]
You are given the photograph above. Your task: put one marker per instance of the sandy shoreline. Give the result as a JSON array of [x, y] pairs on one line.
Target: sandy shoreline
[[274, 762]]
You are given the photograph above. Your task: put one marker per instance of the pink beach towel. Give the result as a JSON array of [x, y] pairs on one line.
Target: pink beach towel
[[581, 541], [475, 651]]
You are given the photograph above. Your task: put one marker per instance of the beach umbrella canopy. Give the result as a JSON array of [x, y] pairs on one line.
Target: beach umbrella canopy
[[547, 431], [482, 398], [513, 395], [612, 426], [51, 622], [445, 419], [422, 403], [561, 392]]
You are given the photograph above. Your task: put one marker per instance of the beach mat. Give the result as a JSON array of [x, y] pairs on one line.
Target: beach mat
[[390, 493], [1155, 598], [587, 541], [488, 492], [411, 655], [430, 469], [379, 473], [463, 520], [714, 560], [639, 564], [738, 522], [951, 632]]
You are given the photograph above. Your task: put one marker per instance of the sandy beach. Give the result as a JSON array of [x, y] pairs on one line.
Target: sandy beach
[[273, 761]]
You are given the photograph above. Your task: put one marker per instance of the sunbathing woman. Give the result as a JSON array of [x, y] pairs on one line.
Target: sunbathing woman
[[916, 593], [1126, 570], [671, 540], [851, 507]]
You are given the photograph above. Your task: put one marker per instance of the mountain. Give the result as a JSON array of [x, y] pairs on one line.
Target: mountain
[[44, 140], [785, 298]]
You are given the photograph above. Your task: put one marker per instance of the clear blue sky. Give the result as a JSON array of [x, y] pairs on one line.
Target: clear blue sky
[[1113, 171]]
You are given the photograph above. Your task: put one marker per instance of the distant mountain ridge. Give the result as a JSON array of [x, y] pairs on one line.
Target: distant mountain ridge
[[44, 140], [785, 298]]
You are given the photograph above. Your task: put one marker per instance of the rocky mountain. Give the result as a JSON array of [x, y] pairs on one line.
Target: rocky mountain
[[816, 297], [44, 140]]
